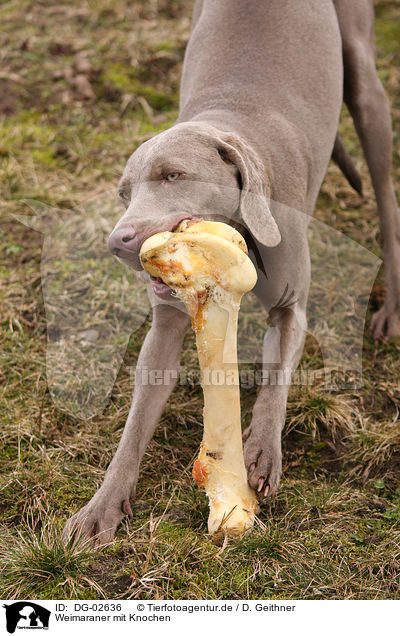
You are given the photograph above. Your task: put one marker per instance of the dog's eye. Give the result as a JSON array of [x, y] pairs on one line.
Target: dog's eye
[[172, 176], [124, 195]]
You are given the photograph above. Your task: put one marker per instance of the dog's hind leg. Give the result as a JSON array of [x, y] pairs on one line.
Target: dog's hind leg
[[368, 105]]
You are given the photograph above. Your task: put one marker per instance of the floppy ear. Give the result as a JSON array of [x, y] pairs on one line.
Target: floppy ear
[[254, 207]]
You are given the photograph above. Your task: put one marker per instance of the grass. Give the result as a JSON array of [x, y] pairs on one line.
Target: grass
[[333, 530], [37, 562]]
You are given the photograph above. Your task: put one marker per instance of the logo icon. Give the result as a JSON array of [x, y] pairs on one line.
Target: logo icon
[[26, 615]]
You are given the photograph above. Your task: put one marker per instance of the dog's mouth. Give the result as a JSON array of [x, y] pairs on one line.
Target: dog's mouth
[[159, 287]]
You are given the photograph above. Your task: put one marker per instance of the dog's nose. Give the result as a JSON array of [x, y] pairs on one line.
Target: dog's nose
[[121, 239]]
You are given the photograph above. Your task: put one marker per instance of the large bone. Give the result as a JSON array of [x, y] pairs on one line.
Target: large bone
[[207, 266]]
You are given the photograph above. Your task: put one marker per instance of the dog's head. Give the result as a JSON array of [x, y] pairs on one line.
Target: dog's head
[[191, 170]]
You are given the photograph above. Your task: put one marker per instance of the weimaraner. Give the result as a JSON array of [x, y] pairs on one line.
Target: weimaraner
[[261, 94]]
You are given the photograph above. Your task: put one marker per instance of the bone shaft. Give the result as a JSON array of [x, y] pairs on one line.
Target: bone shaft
[[217, 351]]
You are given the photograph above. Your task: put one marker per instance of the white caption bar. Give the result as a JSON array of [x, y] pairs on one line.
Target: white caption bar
[[177, 617]]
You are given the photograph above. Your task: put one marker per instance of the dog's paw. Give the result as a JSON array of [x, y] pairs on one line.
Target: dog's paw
[[98, 520], [385, 322], [263, 461]]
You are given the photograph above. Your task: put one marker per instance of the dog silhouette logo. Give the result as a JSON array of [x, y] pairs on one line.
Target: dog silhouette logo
[[26, 615]]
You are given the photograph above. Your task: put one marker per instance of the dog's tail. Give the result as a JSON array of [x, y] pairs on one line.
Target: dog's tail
[[342, 158]]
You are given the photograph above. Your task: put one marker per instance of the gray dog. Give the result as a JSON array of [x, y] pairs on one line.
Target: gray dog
[[261, 94]]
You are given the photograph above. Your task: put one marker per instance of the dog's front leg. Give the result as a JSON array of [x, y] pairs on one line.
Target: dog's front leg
[[160, 352], [283, 346]]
